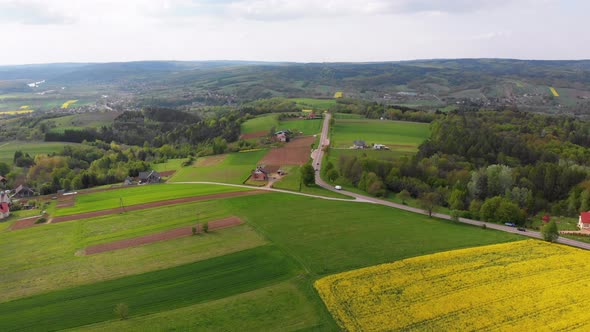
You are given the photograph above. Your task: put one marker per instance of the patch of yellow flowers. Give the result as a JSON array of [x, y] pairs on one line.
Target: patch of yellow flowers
[[554, 92], [338, 94], [23, 111], [520, 286], [68, 103]]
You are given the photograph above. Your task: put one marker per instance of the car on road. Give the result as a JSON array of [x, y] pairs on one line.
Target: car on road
[[511, 224], [338, 187], [522, 229]]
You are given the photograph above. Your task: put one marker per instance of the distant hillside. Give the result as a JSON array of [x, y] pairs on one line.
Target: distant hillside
[[431, 84]]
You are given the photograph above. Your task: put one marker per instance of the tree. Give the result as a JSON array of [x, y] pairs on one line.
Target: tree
[[122, 310], [206, 227], [404, 196], [307, 175], [550, 232], [428, 202], [332, 175], [4, 169]]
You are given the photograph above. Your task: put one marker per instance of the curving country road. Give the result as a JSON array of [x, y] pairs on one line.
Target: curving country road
[[317, 163]]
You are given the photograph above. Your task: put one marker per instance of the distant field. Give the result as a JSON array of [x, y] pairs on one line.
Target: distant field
[[260, 123], [398, 135], [517, 286], [110, 199], [169, 165], [344, 116], [308, 127], [79, 121], [554, 92], [314, 104], [150, 292], [68, 103], [234, 168], [7, 149]]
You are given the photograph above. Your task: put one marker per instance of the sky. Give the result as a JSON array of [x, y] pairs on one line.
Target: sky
[[48, 31]]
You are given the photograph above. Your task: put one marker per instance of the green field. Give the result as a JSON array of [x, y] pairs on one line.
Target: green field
[[7, 149], [234, 168], [79, 121], [260, 123], [307, 127], [314, 104], [150, 292], [169, 165], [281, 307], [110, 199], [398, 135]]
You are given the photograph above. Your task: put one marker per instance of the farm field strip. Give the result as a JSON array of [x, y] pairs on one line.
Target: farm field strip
[[553, 92], [518, 286], [150, 292], [151, 238], [68, 103], [106, 200], [399, 135], [260, 123], [33, 148], [296, 152], [232, 168]]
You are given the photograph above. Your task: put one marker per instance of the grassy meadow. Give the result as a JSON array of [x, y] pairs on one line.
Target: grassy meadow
[[306, 127], [314, 104], [80, 121], [7, 149], [230, 168], [260, 123], [292, 181], [397, 135]]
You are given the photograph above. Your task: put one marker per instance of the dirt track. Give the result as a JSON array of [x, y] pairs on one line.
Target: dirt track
[[296, 152], [167, 235], [26, 223]]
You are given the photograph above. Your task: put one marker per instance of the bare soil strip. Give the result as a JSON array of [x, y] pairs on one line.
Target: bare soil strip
[[25, 223], [255, 135], [296, 152], [167, 235], [210, 161]]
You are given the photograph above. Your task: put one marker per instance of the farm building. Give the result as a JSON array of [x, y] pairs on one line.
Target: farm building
[[281, 137], [3, 181], [359, 144], [128, 181], [380, 147], [584, 221], [23, 191], [546, 218], [149, 177], [259, 174], [4, 202]]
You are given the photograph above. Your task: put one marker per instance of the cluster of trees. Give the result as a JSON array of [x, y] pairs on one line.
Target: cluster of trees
[[373, 110], [496, 166]]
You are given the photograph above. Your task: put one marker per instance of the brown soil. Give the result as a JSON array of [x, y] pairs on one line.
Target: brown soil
[[296, 152], [167, 173], [210, 161], [65, 201], [26, 223], [167, 235], [255, 135]]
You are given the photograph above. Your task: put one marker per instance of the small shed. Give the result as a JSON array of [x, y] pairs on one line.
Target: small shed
[[359, 144], [23, 191]]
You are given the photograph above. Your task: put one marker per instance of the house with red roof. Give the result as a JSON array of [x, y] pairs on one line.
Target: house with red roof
[[4, 208], [584, 221]]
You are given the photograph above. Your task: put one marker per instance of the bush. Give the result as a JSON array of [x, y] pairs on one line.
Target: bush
[[206, 227], [41, 220], [122, 311], [194, 229]]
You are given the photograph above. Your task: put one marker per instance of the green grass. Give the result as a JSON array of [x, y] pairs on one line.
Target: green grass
[[307, 127], [260, 123], [169, 165], [292, 181], [314, 104], [151, 292], [7, 149], [330, 236], [347, 116], [398, 135], [281, 307], [235, 168], [79, 121], [110, 199]]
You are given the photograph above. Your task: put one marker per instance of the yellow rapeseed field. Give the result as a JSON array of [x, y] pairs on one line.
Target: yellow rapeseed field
[[68, 103], [520, 286], [24, 107], [554, 92], [23, 111], [338, 94]]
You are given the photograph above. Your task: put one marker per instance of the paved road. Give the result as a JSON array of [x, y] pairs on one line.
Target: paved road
[[317, 162]]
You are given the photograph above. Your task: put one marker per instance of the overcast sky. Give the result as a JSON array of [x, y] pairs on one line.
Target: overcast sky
[[41, 31]]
